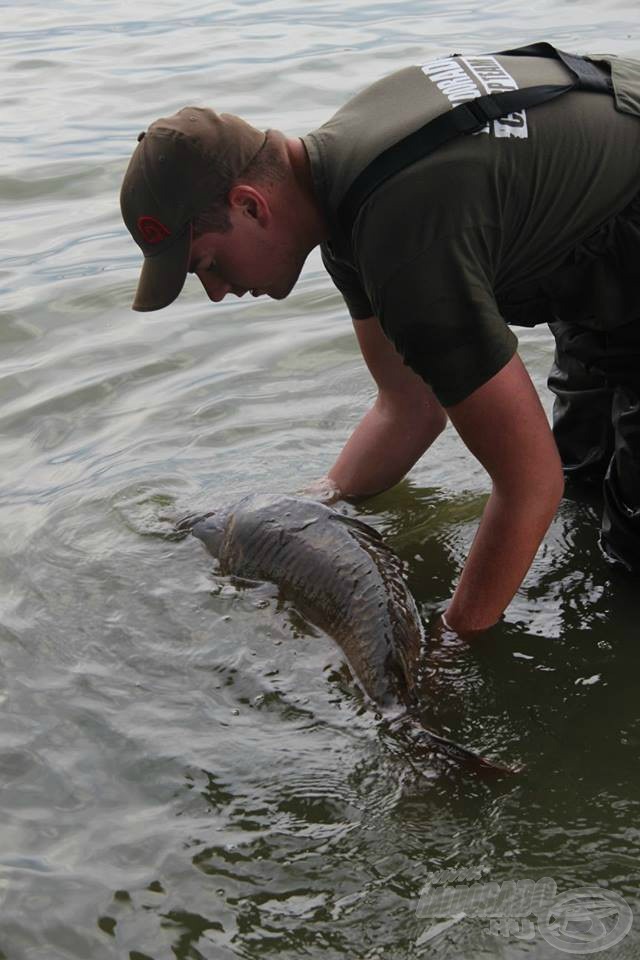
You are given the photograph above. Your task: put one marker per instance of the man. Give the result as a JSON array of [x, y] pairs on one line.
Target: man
[[525, 217]]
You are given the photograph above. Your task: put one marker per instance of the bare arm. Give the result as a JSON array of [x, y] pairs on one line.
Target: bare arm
[[404, 421], [504, 426]]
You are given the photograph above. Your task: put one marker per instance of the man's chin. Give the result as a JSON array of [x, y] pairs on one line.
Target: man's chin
[[268, 293], [279, 293]]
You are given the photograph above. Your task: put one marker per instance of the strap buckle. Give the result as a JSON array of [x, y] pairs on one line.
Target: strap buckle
[[485, 109]]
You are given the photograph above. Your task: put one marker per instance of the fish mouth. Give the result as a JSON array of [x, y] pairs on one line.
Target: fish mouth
[[186, 524]]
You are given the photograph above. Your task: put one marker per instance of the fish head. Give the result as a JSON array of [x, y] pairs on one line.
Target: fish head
[[211, 529]]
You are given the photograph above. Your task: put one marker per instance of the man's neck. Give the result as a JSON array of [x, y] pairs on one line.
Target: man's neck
[[316, 224]]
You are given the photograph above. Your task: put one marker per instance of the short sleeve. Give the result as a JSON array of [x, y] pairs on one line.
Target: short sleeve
[[440, 312], [346, 279]]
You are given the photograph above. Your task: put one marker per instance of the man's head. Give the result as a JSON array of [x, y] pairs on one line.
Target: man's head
[[192, 190]]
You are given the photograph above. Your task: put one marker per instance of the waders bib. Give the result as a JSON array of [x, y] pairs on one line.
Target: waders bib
[[596, 372]]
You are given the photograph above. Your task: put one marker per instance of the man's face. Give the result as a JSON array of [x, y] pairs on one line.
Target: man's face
[[252, 257]]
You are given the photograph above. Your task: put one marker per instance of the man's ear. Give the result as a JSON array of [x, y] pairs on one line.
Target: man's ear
[[247, 201]]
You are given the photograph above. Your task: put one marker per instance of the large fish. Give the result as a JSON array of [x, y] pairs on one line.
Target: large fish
[[344, 578]]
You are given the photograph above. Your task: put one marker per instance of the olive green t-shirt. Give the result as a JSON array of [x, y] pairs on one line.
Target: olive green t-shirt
[[502, 226]]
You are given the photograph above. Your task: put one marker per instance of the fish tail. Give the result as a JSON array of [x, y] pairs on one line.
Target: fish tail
[[470, 759], [421, 737]]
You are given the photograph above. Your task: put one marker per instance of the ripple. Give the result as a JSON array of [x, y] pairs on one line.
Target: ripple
[[185, 764]]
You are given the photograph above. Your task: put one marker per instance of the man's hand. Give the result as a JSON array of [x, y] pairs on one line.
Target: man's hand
[[324, 490]]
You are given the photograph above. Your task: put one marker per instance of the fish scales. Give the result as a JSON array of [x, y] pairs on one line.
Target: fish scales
[[346, 580], [287, 556], [320, 567], [338, 572]]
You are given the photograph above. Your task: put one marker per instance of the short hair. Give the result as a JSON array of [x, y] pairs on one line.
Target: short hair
[[268, 166]]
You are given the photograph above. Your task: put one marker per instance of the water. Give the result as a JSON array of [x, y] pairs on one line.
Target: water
[[186, 769]]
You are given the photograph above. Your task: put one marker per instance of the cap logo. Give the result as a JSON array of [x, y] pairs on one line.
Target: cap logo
[[152, 230]]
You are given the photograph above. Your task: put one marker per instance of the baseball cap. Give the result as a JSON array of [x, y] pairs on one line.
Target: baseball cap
[[171, 175]]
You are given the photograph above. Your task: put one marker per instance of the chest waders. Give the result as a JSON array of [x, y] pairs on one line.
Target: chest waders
[[469, 117], [596, 374]]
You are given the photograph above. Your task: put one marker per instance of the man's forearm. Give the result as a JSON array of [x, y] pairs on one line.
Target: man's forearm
[[385, 445], [510, 532], [504, 425]]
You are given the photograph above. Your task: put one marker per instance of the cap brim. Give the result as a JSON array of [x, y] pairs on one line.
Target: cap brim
[[163, 275]]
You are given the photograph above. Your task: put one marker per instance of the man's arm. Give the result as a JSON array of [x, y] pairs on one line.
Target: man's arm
[[404, 421], [504, 426]]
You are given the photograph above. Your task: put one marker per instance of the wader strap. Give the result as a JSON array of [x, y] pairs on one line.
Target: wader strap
[[469, 117], [589, 76]]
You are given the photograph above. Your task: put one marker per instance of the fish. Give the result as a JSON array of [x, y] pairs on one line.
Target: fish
[[344, 578]]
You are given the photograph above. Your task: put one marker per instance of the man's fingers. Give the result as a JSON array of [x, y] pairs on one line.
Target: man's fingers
[[324, 490]]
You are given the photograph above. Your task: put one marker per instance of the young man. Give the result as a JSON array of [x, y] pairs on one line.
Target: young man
[[518, 207]]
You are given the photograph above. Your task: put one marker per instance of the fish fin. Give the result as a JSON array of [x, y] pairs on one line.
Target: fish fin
[[373, 543], [420, 736], [403, 659], [359, 526], [409, 635]]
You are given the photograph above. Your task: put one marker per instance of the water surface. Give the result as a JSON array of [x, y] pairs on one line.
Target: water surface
[[186, 768]]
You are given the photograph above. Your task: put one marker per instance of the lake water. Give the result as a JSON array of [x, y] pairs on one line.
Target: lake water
[[186, 770]]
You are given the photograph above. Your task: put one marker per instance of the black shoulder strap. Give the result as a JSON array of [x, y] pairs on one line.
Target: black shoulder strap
[[589, 76], [469, 117]]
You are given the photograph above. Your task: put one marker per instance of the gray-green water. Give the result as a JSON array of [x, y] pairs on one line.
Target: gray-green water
[[185, 769]]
